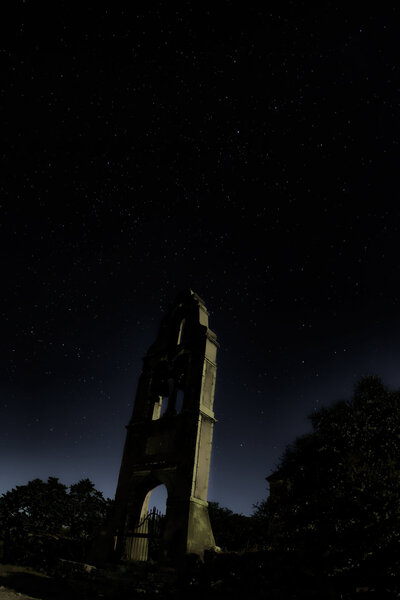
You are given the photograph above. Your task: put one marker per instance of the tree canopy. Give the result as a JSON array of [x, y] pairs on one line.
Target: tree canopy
[[232, 531], [335, 498], [49, 509], [37, 507]]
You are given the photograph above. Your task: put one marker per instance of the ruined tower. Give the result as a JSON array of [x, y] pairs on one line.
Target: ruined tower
[[169, 436]]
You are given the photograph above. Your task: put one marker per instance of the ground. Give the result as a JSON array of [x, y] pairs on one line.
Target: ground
[[25, 583], [17, 582]]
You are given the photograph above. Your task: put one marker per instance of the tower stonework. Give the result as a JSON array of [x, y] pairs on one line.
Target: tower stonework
[[169, 436]]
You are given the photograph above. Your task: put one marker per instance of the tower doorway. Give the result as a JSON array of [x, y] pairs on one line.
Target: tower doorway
[[144, 540]]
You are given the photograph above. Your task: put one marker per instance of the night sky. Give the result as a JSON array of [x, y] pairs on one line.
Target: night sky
[[248, 152]]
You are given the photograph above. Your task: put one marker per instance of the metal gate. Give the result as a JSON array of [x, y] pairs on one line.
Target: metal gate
[[144, 542]]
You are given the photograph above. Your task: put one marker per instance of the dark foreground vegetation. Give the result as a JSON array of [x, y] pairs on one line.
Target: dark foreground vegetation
[[329, 529], [258, 575]]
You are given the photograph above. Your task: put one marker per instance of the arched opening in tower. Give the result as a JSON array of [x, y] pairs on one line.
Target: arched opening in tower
[[145, 541], [158, 499]]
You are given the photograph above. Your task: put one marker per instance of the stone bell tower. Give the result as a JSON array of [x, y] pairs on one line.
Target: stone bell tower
[[169, 436]]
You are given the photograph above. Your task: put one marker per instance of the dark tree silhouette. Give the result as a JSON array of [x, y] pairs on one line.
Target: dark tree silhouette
[[232, 531], [37, 507], [87, 508], [334, 505], [41, 521]]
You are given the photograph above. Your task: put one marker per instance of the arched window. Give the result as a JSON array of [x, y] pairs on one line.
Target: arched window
[[179, 401], [181, 331], [160, 407]]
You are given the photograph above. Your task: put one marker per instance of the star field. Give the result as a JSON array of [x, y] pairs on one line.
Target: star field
[[250, 154]]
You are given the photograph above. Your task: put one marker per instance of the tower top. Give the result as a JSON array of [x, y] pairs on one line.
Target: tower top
[[184, 323], [186, 296]]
